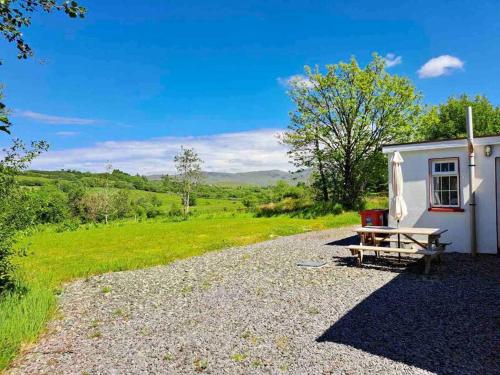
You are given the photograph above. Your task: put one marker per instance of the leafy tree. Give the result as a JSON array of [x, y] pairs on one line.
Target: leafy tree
[[448, 120], [121, 204], [350, 112], [75, 192], [188, 165], [15, 15], [50, 205], [306, 153], [12, 200], [4, 115], [92, 206]]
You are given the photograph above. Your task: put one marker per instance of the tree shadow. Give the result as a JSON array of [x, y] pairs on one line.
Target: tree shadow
[[448, 323]]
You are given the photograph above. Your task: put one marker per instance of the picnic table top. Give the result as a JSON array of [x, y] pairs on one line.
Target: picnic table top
[[401, 230]]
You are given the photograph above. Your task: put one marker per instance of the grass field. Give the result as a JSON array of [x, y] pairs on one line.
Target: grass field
[[55, 258]]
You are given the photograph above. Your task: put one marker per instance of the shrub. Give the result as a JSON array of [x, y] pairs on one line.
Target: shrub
[[175, 210], [69, 225], [299, 207], [148, 207], [49, 205], [285, 206]]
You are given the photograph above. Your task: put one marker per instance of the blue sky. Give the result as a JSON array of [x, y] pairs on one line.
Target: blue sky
[[137, 78]]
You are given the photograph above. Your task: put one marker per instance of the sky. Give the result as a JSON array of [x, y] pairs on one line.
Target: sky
[[135, 80]]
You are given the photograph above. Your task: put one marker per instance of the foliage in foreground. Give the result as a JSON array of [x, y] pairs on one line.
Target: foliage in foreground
[[16, 14], [12, 198]]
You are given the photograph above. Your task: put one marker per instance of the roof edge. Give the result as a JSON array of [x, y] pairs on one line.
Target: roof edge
[[440, 143]]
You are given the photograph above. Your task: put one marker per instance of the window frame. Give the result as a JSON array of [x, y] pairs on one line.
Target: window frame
[[432, 174]]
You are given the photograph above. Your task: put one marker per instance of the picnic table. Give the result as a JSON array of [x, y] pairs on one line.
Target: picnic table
[[379, 238]]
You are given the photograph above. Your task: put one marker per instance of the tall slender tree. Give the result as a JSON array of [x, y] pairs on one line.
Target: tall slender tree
[[188, 165]]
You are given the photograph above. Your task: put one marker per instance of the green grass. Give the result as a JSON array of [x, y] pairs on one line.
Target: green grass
[[377, 201], [55, 258]]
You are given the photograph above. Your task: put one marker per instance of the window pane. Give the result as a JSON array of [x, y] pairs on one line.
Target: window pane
[[437, 185], [454, 198], [445, 198], [437, 167], [436, 199], [445, 183], [444, 167], [453, 183], [452, 167]]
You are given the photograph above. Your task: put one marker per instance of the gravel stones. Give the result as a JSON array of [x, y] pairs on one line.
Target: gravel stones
[[252, 310]]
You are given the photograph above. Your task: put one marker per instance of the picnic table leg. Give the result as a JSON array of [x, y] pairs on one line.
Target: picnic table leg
[[439, 249], [430, 240], [360, 257], [427, 264]]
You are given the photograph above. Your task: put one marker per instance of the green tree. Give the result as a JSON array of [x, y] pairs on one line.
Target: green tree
[[350, 111], [12, 201], [4, 115], [16, 15], [448, 120], [75, 192], [50, 205], [188, 165]]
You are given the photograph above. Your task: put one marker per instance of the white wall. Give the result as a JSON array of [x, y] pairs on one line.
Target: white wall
[[486, 200], [416, 193]]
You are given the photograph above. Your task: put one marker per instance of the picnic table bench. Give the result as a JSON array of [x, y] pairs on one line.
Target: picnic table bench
[[374, 237]]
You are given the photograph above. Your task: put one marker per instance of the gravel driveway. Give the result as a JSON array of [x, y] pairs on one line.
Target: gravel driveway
[[252, 310]]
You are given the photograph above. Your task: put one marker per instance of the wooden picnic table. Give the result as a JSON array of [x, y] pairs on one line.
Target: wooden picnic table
[[374, 237], [371, 233]]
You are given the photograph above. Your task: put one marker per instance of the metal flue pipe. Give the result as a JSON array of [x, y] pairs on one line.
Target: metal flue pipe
[[472, 180]]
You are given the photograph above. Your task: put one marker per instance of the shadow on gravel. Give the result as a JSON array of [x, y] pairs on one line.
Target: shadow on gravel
[[387, 263], [352, 240], [447, 323]]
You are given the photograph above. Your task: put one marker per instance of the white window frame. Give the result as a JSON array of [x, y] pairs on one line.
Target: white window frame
[[433, 173]]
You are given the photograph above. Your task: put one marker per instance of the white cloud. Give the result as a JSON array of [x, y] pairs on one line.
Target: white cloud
[[67, 134], [441, 65], [296, 80], [55, 120], [227, 152], [392, 60]]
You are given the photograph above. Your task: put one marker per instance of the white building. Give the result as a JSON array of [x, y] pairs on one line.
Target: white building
[[436, 189]]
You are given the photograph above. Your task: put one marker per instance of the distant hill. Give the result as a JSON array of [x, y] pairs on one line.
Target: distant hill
[[260, 178]]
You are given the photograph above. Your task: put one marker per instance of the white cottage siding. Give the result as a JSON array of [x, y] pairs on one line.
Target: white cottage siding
[[486, 200], [416, 175], [416, 194]]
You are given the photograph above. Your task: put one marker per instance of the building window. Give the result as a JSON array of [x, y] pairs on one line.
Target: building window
[[445, 183]]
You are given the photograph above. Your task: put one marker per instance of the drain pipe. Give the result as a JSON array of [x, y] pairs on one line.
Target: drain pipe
[[472, 187]]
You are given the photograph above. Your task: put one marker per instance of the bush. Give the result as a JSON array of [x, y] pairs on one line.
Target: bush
[[69, 225], [299, 208], [285, 206], [148, 207], [49, 205], [175, 210]]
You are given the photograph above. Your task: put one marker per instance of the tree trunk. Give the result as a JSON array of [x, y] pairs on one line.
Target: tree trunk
[[186, 203], [350, 193], [324, 186]]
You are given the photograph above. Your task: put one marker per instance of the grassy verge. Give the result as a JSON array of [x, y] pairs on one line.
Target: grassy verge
[[56, 258]]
